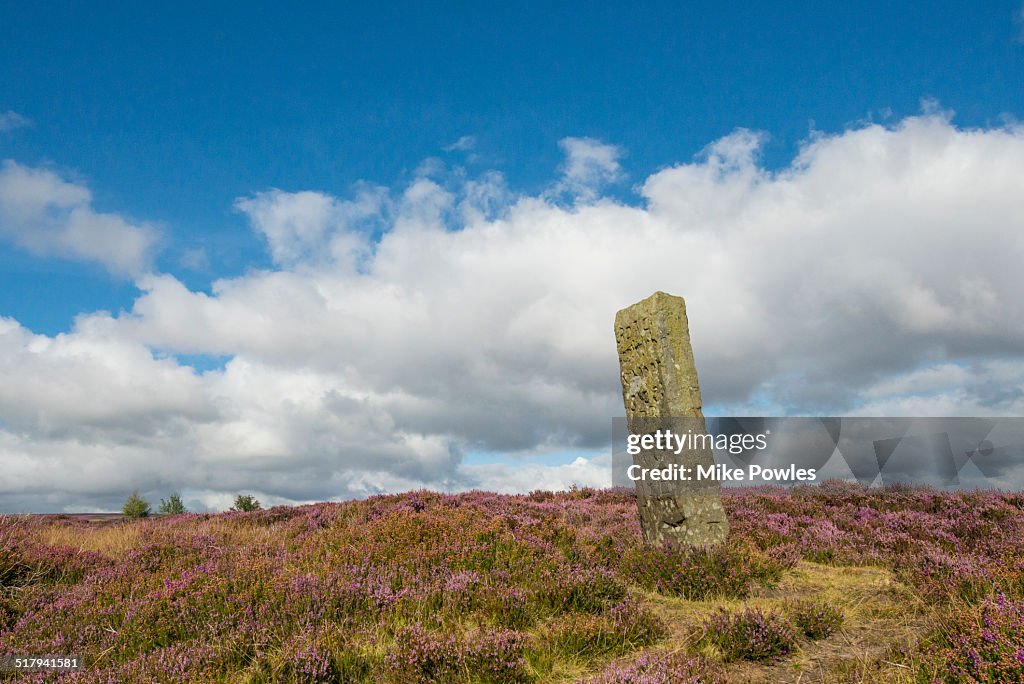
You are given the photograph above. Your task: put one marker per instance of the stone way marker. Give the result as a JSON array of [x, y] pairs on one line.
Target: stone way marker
[[660, 391]]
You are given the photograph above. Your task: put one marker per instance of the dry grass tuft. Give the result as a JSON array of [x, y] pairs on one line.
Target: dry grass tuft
[[113, 540], [880, 615]]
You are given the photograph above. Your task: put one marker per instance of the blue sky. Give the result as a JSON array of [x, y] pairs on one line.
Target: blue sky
[[178, 175], [171, 114]]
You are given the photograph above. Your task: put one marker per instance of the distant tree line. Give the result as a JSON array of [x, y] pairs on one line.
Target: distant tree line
[[137, 507]]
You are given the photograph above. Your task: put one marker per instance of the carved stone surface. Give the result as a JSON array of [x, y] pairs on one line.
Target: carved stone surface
[[660, 391]]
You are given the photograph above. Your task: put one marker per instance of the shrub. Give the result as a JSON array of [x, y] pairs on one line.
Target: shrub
[[135, 506], [727, 570], [815, 620], [13, 568], [983, 643], [751, 635], [9, 613], [583, 590], [663, 668], [172, 505], [246, 503], [419, 655], [637, 625], [306, 658], [627, 626], [509, 607], [204, 597]]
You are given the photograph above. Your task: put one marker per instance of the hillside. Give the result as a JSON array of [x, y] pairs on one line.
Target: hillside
[[833, 583]]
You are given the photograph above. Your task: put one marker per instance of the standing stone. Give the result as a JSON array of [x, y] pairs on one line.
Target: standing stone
[[660, 391]]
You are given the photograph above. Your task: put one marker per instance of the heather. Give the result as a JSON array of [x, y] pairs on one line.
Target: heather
[[815, 620], [663, 668], [547, 587], [751, 634], [984, 642]]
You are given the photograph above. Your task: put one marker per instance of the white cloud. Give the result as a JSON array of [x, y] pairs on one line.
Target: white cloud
[[49, 216], [306, 227], [878, 273], [11, 120], [463, 144], [589, 165], [527, 477], [484, 198], [91, 380]]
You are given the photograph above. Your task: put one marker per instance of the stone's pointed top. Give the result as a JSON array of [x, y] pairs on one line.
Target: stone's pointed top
[[658, 373], [655, 300]]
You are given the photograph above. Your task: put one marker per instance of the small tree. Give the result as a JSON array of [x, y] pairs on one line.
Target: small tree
[[136, 506], [172, 505], [246, 503]]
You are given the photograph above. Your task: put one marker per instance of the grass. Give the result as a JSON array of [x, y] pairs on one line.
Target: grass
[[114, 540], [878, 611], [478, 587]]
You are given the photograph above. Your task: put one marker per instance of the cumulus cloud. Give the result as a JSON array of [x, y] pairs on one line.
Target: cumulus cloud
[[589, 165], [11, 120], [307, 227], [877, 273], [50, 216]]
